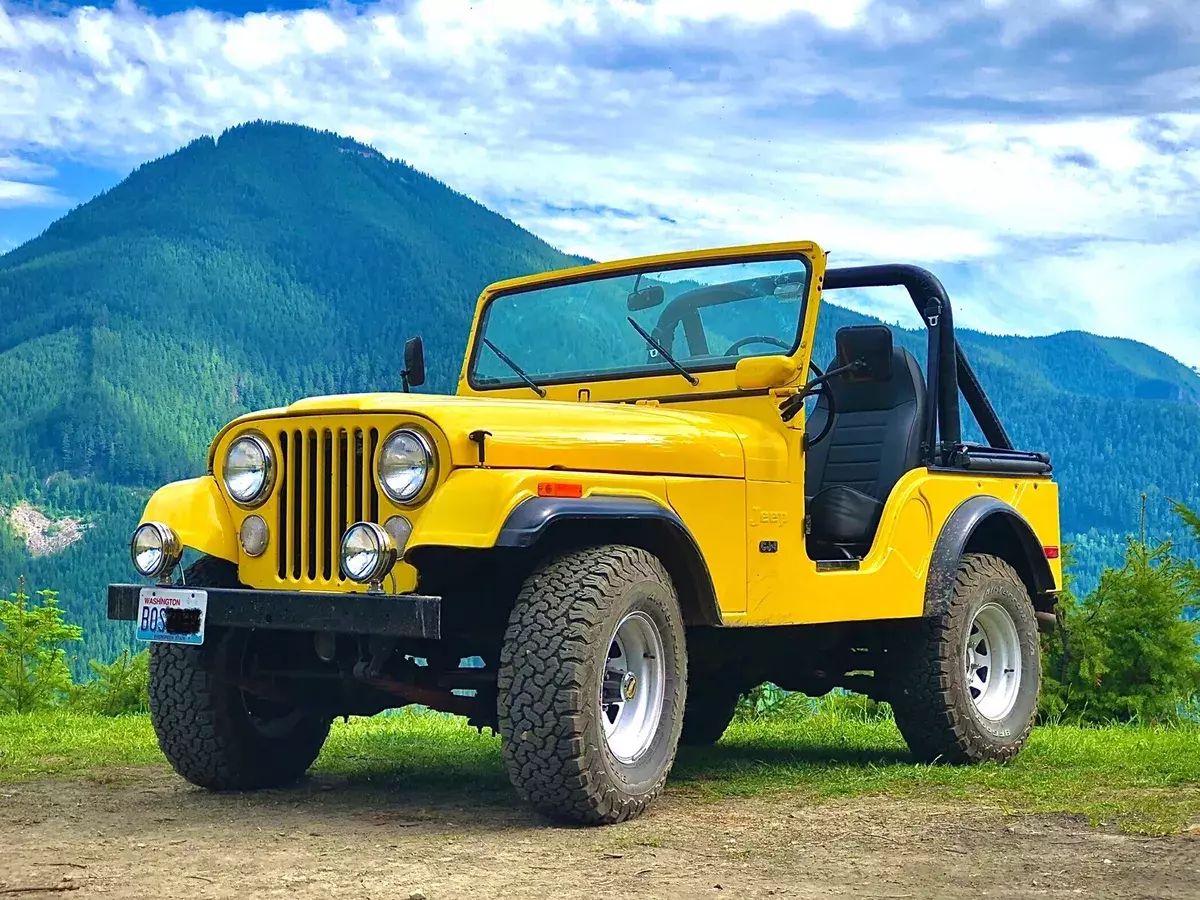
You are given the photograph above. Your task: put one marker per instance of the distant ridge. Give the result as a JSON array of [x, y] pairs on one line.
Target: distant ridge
[[278, 261]]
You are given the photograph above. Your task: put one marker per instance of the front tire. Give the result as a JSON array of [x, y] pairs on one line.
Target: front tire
[[968, 689], [592, 685], [214, 734]]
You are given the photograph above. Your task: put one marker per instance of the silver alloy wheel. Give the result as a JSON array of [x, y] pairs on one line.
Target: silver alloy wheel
[[992, 659], [631, 693]]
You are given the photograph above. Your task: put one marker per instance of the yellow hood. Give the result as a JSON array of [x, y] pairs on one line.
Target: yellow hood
[[543, 434]]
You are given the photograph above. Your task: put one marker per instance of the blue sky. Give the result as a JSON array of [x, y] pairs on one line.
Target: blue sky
[[1041, 154]]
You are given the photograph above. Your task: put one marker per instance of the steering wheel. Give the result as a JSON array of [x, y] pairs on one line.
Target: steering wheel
[[816, 388], [755, 339]]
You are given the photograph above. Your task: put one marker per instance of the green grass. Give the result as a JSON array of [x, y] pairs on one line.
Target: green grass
[[1138, 779]]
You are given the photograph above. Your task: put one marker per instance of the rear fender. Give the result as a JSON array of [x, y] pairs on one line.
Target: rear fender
[[196, 510], [988, 525]]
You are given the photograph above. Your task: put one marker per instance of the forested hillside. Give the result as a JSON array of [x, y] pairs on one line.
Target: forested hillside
[[232, 275], [279, 262]]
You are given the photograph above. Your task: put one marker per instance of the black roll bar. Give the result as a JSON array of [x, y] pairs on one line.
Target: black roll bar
[[948, 370]]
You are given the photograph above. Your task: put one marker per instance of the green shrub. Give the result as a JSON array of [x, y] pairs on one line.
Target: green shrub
[[853, 707], [34, 671], [1127, 651], [118, 688], [771, 703], [760, 703]]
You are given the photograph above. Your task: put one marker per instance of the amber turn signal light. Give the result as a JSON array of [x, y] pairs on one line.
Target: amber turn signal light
[[559, 489]]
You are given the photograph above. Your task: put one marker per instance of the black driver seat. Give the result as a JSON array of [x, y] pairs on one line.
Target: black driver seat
[[875, 439]]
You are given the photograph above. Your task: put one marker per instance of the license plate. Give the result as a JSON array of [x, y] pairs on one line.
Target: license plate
[[172, 615]]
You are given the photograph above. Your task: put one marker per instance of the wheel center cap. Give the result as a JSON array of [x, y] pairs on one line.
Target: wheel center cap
[[629, 686]]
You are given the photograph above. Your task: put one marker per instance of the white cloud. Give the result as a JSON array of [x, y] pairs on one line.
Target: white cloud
[[1022, 18], [21, 193], [672, 15], [614, 127], [18, 167], [19, 185], [1148, 292]]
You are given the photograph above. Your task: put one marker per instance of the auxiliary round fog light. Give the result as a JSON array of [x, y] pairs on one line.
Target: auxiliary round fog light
[[401, 530], [368, 553], [254, 535], [155, 550]]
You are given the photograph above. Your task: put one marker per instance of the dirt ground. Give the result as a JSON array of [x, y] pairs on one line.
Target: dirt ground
[[148, 834]]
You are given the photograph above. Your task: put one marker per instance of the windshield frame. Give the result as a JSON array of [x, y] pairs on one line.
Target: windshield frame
[[801, 253]]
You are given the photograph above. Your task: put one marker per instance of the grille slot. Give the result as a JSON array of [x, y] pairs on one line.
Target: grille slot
[[326, 483], [283, 537]]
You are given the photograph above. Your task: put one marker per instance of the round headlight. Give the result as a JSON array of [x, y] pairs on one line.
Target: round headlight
[[248, 465], [368, 552], [404, 465], [155, 550]]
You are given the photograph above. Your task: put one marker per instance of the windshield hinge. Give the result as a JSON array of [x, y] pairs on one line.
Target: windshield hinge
[[480, 437]]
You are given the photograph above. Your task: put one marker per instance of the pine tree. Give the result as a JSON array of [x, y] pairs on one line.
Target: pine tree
[[1129, 648], [34, 673], [118, 687]]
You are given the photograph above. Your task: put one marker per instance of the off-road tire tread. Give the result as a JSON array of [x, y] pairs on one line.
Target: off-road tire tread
[[928, 703], [196, 726], [542, 677]]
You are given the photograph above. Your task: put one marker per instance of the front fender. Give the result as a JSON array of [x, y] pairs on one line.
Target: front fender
[[471, 506], [468, 509], [196, 510], [484, 508]]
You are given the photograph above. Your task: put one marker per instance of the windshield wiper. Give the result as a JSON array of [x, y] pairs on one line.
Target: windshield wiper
[[662, 351], [533, 385]]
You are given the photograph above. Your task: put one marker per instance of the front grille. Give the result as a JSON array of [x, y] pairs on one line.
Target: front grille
[[325, 484]]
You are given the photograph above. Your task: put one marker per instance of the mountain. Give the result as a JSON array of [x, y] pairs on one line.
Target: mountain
[[277, 262], [235, 274], [229, 276]]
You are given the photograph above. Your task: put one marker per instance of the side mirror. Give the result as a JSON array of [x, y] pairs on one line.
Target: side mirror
[[413, 374], [754, 373], [646, 298], [868, 348]]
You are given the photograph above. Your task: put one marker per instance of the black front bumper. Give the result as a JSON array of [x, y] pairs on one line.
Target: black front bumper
[[390, 615]]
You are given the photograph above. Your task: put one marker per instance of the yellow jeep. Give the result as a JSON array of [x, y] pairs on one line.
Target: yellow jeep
[[644, 499]]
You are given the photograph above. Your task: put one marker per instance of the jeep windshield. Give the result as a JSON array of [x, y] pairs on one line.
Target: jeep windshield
[[704, 317]]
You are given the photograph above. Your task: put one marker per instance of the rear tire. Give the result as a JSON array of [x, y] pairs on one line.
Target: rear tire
[[212, 733], [592, 685], [967, 690]]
